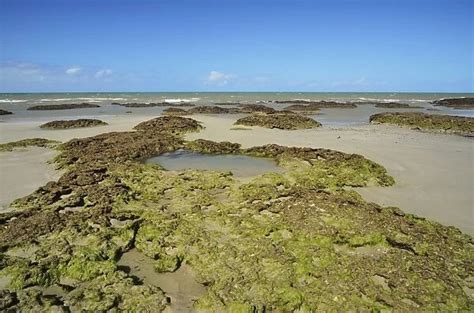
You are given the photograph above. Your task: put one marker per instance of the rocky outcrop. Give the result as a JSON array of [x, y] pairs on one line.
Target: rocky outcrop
[[212, 147], [256, 108], [279, 120], [456, 103], [314, 105], [36, 142], [395, 105], [175, 111], [5, 112], [428, 122], [169, 124], [66, 106], [79, 123], [205, 109]]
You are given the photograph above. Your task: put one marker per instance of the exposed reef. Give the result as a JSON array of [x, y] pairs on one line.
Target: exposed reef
[[314, 105], [282, 242], [395, 105], [5, 112], [153, 104], [79, 123], [429, 122], [279, 120], [456, 103], [175, 111], [205, 109], [66, 106], [37, 142], [256, 108]]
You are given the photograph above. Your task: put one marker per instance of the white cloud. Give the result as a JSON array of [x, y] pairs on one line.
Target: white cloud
[[73, 71], [103, 73], [219, 78]]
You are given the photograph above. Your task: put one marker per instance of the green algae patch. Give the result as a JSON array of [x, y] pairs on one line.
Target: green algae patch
[[459, 125], [31, 142], [291, 241], [79, 123], [287, 121]]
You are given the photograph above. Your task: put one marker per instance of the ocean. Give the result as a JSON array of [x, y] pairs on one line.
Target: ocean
[[19, 102]]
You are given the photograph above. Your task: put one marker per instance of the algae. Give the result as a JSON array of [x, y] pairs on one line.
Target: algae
[[37, 142], [291, 241]]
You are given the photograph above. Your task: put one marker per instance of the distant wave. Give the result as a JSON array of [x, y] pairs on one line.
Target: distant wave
[[91, 99], [393, 100], [11, 101], [181, 100]]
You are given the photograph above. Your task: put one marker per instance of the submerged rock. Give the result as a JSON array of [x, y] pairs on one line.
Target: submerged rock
[[5, 112], [66, 106], [456, 103], [430, 122], [279, 120], [79, 123]]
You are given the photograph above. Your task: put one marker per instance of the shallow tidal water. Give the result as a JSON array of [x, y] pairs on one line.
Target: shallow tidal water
[[241, 166]]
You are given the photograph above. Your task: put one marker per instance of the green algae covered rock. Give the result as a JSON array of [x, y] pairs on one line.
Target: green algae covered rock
[[290, 241], [207, 146], [459, 125], [79, 123], [279, 120], [24, 143], [169, 124]]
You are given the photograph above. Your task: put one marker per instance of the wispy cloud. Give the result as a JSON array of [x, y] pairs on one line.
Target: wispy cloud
[[219, 78], [103, 73], [73, 71]]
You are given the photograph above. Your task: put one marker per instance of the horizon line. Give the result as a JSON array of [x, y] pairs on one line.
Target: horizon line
[[194, 91]]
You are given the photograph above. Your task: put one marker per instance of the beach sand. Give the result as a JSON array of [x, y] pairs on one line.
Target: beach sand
[[434, 173]]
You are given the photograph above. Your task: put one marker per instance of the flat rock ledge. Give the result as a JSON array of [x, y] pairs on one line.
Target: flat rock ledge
[[79, 123], [286, 120], [456, 103], [459, 125], [5, 112], [65, 106]]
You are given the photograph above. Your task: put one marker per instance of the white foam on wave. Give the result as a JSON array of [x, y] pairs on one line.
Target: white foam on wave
[[392, 100], [90, 99], [11, 101], [181, 100]]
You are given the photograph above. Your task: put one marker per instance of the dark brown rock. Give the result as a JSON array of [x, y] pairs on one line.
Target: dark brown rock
[[279, 120], [66, 106], [79, 123], [456, 103], [5, 112]]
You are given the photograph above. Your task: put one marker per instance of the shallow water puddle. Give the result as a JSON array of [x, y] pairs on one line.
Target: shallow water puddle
[[181, 285], [241, 166]]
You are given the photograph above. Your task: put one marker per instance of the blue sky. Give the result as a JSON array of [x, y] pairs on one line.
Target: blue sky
[[236, 45]]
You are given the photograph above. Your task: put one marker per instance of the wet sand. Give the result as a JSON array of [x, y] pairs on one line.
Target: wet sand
[[181, 285], [434, 173], [24, 170]]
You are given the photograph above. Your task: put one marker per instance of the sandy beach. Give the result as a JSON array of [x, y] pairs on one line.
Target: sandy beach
[[433, 172]]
